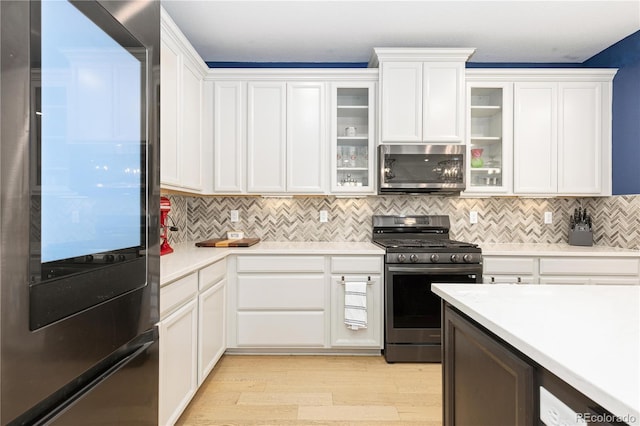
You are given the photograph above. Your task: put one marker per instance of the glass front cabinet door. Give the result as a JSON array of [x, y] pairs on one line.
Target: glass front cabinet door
[[352, 134], [489, 137]]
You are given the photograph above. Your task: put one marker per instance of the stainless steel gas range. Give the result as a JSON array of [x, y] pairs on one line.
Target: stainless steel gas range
[[419, 252]]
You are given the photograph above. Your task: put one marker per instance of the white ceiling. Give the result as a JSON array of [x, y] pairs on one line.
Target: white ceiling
[[347, 30]]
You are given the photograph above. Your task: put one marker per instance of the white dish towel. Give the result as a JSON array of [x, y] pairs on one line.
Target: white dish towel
[[355, 305]]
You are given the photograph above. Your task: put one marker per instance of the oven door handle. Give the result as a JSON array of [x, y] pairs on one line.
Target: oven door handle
[[458, 269]]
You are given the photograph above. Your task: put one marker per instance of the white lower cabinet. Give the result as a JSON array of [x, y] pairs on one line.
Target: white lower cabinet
[[281, 329], [509, 269], [297, 302], [280, 309], [192, 336], [178, 361], [605, 269], [280, 301], [211, 333], [341, 335], [576, 270]]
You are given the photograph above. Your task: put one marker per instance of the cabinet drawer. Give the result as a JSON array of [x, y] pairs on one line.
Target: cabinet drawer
[[281, 291], [177, 293], [356, 265], [280, 329], [280, 264], [508, 279], [509, 265], [615, 280], [564, 280], [589, 266], [212, 274]]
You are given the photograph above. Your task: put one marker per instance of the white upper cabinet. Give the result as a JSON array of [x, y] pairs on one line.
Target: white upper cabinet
[[443, 101], [229, 136], [267, 137], [401, 101], [422, 94], [184, 164], [272, 129], [561, 131], [190, 132], [535, 138], [306, 137], [287, 137], [489, 137], [170, 66], [562, 135], [353, 137], [580, 138]]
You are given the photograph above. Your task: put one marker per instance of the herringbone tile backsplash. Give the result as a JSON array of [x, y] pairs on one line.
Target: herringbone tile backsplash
[[500, 220]]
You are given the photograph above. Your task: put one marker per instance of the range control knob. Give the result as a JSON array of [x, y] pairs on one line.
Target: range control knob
[[413, 258], [454, 258], [434, 258], [401, 258], [467, 258]]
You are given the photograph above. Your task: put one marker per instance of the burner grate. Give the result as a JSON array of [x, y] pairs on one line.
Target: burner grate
[[425, 243]]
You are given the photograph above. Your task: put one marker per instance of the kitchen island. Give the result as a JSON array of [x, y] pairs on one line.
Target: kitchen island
[[586, 336]]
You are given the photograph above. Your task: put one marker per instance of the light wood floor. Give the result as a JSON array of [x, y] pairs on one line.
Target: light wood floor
[[317, 390]]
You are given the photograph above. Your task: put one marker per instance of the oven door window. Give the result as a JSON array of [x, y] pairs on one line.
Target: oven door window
[[414, 305]]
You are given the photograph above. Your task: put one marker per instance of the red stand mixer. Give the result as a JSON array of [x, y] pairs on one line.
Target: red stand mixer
[[165, 208]]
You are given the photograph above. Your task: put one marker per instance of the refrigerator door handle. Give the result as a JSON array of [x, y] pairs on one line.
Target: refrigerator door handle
[[131, 351]]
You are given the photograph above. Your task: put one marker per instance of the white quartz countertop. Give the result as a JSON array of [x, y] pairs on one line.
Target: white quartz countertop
[[531, 249], [589, 336], [187, 258]]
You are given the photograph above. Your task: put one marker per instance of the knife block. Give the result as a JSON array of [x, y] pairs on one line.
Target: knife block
[[580, 237]]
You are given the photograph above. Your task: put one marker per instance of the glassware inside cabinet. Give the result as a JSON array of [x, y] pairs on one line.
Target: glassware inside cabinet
[[486, 141], [352, 138]]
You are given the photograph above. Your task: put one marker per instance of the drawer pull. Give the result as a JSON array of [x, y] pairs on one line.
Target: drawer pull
[[369, 282]]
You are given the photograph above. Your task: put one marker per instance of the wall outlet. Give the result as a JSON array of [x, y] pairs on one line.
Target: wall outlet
[[235, 217], [324, 216], [473, 216], [548, 217]]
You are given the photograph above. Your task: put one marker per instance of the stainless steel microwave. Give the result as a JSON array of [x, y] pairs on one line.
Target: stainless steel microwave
[[421, 168]]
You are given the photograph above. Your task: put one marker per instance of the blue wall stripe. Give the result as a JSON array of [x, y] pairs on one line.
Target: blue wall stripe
[[624, 55]]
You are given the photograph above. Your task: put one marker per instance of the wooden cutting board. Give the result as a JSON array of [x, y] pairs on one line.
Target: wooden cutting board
[[223, 242]]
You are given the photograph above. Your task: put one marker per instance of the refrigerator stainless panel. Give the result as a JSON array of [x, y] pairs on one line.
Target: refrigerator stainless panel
[[35, 365]]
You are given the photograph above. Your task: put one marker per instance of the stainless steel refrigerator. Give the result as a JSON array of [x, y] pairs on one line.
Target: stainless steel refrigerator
[[79, 204]]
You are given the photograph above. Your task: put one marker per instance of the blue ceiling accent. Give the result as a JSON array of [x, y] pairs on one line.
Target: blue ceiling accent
[[223, 64], [523, 65], [214, 64]]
